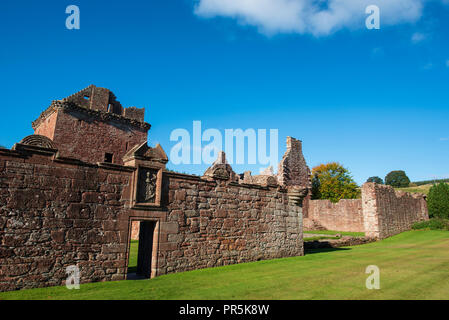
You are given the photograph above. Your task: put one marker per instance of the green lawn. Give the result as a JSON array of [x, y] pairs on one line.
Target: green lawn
[[132, 263], [332, 232], [413, 265]]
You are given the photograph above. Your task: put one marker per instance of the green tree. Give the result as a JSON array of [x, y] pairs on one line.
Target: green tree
[[375, 180], [334, 182], [316, 187], [397, 179], [438, 201]]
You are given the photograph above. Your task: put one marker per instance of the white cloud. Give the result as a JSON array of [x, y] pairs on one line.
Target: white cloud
[[444, 139], [418, 37], [427, 66], [317, 17]]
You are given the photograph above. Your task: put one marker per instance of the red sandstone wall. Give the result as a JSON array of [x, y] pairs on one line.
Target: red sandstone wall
[[90, 139], [47, 128], [293, 169], [382, 212], [346, 215], [213, 224], [55, 214], [135, 228], [388, 212]]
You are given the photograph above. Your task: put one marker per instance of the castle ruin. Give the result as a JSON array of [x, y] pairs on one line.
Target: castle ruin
[[71, 194]]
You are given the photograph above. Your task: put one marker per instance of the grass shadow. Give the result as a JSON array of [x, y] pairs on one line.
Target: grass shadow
[[135, 276], [320, 250], [132, 269]]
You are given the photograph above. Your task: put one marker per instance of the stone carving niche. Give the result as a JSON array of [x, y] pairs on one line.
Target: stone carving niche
[[147, 185], [147, 179]]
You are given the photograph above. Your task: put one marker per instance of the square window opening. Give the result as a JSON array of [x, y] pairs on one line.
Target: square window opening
[[108, 157]]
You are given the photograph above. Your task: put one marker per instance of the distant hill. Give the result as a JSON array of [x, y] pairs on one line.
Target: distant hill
[[418, 189], [421, 183]]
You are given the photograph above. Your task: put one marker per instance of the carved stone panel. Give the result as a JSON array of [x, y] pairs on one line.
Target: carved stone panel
[[221, 173], [147, 185]]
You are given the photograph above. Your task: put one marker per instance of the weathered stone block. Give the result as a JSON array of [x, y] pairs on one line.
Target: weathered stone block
[[169, 227], [93, 197], [78, 211], [58, 236]]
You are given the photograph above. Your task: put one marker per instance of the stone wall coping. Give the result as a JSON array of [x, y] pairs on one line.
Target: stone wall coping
[[184, 176], [100, 115], [113, 166], [12, 153], [34, 149], [335, 203], [26, 151], [398, 193]]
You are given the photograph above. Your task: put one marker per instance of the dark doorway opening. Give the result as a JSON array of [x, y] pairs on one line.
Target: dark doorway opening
[[145, 249]]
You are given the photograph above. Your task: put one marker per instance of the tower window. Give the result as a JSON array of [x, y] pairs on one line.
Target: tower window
[[108, 157]]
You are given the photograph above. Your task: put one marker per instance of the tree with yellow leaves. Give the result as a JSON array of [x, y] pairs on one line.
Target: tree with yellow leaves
[[334, 182]]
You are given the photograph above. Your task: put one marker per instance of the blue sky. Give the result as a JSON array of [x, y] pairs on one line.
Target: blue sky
[[374, 100]]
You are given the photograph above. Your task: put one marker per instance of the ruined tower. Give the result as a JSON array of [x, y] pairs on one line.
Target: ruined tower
[[92, 126], [293, 169]]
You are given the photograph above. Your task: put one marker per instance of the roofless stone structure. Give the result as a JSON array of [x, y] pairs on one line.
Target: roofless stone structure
[[71, 193], [78, 190]]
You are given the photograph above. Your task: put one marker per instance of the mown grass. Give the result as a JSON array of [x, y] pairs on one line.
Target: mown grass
[[418, 189], [413, 265], [332, 232], [134, 249]]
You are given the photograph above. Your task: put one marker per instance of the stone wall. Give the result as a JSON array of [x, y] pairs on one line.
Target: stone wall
[[135, 225], [388, 212], [54, 214], [382, 212], [293, 169], [62, 205], [76, 136], [91, 123], [345, 215], [47, 126], [215, 223]]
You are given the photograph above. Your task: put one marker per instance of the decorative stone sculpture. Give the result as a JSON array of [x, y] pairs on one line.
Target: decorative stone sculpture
[[146, 192], [38, 141], [221, 173], [147, 179], [221, 170]]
